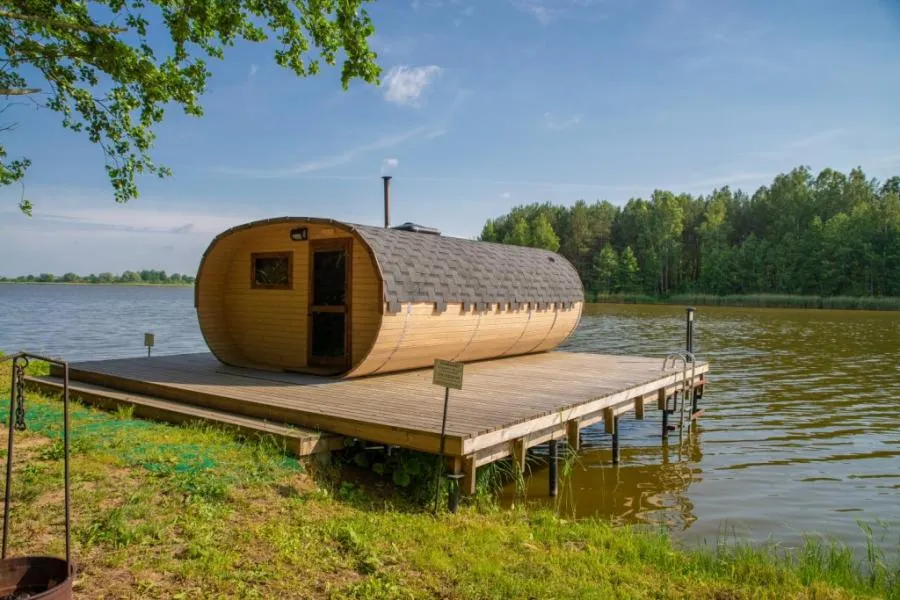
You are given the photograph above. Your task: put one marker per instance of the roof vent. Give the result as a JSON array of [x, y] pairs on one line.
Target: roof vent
[[416, 228]]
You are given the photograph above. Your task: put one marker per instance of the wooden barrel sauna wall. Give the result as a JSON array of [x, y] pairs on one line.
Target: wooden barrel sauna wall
[[321, 296]]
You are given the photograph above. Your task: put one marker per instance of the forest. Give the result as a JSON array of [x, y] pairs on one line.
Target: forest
[[831, 234], [146, 276]]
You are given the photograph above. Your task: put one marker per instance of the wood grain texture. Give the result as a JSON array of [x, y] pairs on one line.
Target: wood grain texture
[[269, 328], [531, 398]]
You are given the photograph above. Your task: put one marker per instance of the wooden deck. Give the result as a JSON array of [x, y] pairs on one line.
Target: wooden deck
[[505, 406]]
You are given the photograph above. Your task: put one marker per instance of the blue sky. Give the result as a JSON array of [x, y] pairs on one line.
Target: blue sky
[[483, 105]]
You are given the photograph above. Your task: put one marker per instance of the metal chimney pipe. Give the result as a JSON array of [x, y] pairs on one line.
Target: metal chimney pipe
[[387, 200]]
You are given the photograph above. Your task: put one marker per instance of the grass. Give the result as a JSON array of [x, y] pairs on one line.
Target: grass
[[759, 301], [162, 511]]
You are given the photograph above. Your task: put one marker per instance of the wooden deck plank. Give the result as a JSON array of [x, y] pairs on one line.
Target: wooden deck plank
[[501, 399]]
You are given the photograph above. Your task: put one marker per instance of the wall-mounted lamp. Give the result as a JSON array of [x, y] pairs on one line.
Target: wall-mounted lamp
[[301, 234]]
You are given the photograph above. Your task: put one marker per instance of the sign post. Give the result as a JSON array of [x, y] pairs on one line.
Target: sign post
[[148, 341], [447, 374]]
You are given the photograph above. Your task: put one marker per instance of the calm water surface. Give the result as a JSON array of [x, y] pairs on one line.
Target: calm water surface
[[801, 433]]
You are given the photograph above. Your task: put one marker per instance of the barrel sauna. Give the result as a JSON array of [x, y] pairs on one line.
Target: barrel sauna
[[325, 297]]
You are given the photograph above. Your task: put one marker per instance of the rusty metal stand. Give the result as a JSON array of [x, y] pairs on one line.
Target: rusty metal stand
[[35, 576]]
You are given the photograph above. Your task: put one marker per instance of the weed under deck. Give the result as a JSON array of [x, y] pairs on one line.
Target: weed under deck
[[506, 405]]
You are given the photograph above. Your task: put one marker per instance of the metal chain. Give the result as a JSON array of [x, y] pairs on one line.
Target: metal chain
[[19, 381]]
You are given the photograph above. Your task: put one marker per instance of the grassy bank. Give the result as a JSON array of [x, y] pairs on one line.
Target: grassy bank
[[759, 301], [188, 512]]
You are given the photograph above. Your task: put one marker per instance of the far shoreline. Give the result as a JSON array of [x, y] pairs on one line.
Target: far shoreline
[[875, 303], [107, 283]]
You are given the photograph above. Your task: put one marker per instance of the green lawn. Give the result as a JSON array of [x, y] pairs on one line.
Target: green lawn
[[163, 511]]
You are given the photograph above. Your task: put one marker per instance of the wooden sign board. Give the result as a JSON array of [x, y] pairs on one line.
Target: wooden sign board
[[148, 339], [448, 374]]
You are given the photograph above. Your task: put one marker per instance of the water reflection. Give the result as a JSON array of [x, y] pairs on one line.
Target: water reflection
[[649, 485]]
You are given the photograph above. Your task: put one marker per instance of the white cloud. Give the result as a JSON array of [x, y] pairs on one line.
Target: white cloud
[[819, 137], [468, 11], [389, 164], [253, 70], [328, 162], [556, 123], [404, 84], [506, 195], [547, 11]]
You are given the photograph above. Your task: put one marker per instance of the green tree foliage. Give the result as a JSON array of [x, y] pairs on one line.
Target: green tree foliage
[[146, 276], [520, 234], [629, 275], [111, 68], [542, 234], [830, 234], [606, 270]]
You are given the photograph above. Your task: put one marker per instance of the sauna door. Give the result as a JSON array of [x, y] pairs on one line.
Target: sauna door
[[329, 306]]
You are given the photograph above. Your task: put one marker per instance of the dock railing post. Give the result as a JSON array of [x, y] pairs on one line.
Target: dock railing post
[[689, 339], [689, 334]]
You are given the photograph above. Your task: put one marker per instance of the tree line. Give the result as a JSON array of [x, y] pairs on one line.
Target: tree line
[[144, 276], [829, 234]]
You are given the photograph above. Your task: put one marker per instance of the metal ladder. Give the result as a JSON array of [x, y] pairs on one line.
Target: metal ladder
[[687, 385]]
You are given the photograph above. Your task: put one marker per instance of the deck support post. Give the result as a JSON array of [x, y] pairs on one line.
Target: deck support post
[[573, 435], [639, 408], [469, 472], [553, 475], [519, 451]]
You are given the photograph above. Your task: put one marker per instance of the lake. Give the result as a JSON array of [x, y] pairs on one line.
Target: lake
[[801, 432]]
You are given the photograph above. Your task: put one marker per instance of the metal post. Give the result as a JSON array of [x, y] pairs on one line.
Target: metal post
[[553, 475], [615, 441], [453, 492], [440, 464], [66, 463], [689, 335], [9, 455]]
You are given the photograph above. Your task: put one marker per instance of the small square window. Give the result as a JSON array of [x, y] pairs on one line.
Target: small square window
[[271, 271]]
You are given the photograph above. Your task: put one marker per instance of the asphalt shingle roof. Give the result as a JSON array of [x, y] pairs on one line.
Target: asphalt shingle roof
[[423, 267]]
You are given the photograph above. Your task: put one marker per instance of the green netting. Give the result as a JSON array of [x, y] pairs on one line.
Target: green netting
[[163, 449]]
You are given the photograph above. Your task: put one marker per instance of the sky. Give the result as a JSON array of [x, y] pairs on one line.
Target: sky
[[483, 105]]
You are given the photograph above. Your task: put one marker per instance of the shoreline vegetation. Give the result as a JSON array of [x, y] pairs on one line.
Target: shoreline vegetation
[[757, 301], [143, 277], [189, 511]]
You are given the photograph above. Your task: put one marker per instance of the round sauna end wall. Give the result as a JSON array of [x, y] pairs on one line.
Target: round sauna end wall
[[257, 297]]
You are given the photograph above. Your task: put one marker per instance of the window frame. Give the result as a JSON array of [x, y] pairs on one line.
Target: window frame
[[287, 254]]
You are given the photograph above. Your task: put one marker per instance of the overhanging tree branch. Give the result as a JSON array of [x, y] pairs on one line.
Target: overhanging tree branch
[[19, 91], [61, 24]]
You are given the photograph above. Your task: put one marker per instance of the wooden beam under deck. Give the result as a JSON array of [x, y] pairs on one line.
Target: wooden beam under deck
[[505, 407]]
